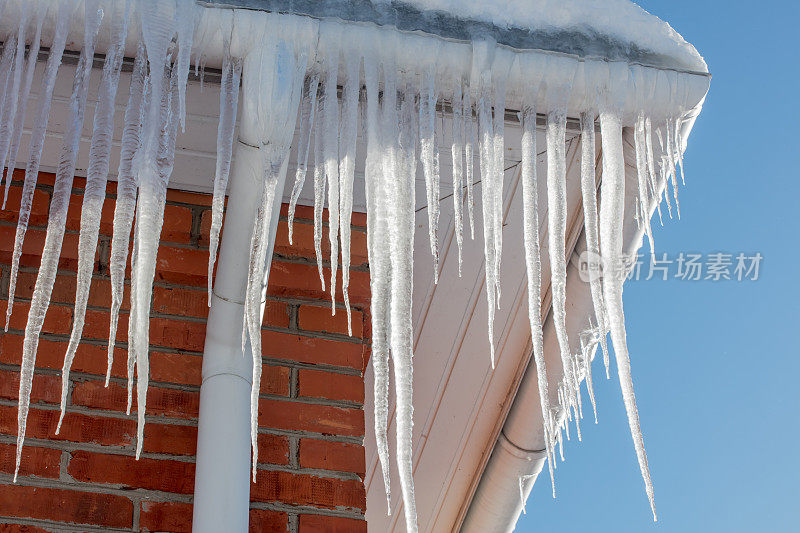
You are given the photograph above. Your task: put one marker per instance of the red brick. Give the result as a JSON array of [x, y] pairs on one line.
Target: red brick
[[76, 208], [154, 474], [273, 449], [46, 387], [339, 456], [177, 224], [180, 301], [175, 517], [264, 520], [318, 318], [171, 333], [66, 506], [21, 528], [36, 461], [58, 318], [77, 427], [303, 243], [300, 489], [309, 417], [185, 197], [64, 290], [89, 358], [320, 384], [301, 280], [185, 266], [306, 212], [297, 347], [33, 245], [180, 368], [275, 380], [330, 524], [39, 208], [160, 401], [170, 439]]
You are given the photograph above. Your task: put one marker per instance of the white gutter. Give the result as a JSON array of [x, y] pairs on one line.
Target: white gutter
[[222, 478], [519, 452]]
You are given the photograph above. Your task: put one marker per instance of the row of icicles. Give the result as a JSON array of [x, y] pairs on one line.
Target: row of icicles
[[398, 112]]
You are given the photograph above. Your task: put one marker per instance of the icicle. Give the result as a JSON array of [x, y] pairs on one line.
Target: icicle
[[380, 266], [11, 100], [308, 110], [457, 152], [486, 148], [6, 67], [347, 167], [651, 167], [402, 249], [501, 67], [673, 171], [255, 283], [530, 222], [330, 150], [94, 194], [281, 70], [65, 9], [469, 158], [153, 164], [127, 185], [186, 20], [557, 229], [588, 347], [641, 174], [429, 156], [611, 223], [319, 185], [228, 102], [57, 216], [679, 148], [30, 68], [589, 195]]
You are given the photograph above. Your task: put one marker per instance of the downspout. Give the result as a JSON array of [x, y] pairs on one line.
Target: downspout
[[222, 477], [519, 452]]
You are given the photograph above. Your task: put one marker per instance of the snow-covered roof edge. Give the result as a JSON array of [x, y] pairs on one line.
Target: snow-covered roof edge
[[616, 30]]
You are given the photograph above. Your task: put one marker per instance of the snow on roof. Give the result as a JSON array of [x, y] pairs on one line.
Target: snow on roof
[[620, 21]]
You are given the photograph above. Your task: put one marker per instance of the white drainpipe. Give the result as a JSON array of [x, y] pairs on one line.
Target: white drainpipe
[[222, 478]]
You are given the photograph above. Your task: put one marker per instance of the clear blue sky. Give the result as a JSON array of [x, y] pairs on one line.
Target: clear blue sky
[[715, 364]]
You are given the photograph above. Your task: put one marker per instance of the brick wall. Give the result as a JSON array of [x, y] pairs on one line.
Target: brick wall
[[311, 420]]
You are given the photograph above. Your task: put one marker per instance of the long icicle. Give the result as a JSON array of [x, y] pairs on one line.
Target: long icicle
[[589, 197], [486, 149], [228, 103], [641, 175], [469, 156], [158, 29], [429, 156], [611, 223], [127, 185], [11, 101], [557, 230], [94, 193], [65, 9], [533, 263], [319, 185], [19, 122], [347, 167], [308, 111], [379, 264], [59, 204], [402, 249], [330, 150], [457, 152]]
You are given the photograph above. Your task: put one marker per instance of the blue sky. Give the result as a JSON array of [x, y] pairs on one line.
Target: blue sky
[[715, 364]]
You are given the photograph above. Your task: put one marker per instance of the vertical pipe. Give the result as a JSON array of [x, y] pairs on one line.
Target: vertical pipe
[[222, 478]]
